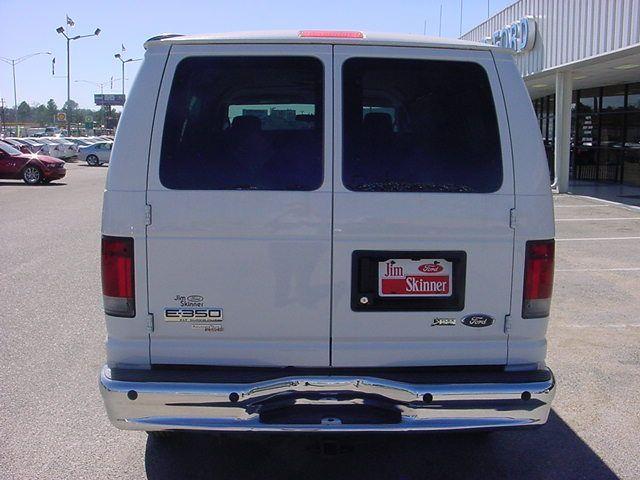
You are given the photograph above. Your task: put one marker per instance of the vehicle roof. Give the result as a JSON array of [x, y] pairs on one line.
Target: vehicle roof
[[293, 36]]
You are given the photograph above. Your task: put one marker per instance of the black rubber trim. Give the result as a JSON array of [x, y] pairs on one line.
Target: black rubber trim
[[364, 282], [415, 375]]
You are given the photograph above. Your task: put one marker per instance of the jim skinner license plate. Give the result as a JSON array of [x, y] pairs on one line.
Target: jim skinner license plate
[[415, 278]]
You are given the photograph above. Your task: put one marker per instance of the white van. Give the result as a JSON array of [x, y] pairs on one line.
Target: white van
[[327, 231]]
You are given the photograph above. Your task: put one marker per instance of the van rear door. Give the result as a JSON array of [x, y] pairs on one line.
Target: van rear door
[[422, 243], [240, 189]]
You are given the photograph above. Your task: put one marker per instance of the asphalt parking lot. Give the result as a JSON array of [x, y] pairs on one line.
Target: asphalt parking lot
[[52, 422]]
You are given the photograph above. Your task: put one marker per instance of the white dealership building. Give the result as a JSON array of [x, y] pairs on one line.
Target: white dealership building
[[580, 60]]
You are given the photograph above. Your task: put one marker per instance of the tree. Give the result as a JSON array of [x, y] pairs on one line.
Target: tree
[[52, 108], [24, 112], [41, 116], [70, 107]]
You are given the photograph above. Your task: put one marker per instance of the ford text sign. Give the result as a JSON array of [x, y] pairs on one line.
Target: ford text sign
[[109, 99], [520, 36]]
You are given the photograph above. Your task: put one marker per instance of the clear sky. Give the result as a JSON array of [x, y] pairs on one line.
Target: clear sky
[[29, 26]]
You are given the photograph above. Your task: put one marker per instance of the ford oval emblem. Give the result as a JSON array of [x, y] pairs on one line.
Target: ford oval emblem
[[431, 267], [195, 298], [477, 320]]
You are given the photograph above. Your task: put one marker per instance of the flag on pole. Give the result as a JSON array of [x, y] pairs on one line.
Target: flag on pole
[[70, 22], [53, 66], [123, 48]]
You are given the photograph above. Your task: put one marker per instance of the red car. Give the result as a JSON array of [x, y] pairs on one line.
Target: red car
[[33, 169]]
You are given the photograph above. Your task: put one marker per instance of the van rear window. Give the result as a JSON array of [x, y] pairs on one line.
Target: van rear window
[[419, 126], [244, 123]]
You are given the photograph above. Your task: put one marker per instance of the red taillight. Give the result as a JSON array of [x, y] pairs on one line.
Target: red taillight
[[538, 278], [330, 34], [118, 289]]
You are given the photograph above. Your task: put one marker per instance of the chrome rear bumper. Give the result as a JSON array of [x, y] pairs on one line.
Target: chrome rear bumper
[[336, 403]]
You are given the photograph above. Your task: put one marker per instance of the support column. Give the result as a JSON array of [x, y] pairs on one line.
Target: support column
[[562, 140]]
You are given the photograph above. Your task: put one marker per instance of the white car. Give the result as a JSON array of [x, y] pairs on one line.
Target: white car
[[49, 147], [96, 154], [80, 141], [33, 145], [327, 232], [66, 148]]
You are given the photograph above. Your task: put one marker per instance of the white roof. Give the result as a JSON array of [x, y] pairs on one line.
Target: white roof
[[293, 36]]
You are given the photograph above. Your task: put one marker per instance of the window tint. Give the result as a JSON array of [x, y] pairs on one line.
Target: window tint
[[244, 123], [419, 125]]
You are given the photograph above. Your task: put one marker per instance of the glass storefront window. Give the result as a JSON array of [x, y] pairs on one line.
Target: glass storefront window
[[633, 100], [552, 105], [589, 100], [633, 131], [613, 98], [612, 130], [587, 134]]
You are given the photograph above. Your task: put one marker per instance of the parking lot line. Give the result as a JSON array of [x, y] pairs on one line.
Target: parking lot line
[[595, 239], [582, 206], [621, 269], [610, 202], [604, 219]]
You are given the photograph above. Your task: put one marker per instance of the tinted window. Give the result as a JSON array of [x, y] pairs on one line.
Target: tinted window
[[8, 149], [244, 123], [418, 125]]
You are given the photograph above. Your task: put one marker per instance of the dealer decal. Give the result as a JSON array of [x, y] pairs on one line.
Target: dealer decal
[[193, 315], [415, 278]]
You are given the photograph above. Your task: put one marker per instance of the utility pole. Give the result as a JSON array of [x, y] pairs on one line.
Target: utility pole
[[460, 19], [13, 62], [2, 113], [99, 84], [61, 31], [119, 57], [440, 23]]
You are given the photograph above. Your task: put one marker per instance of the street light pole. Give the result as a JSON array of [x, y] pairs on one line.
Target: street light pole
[[13, 62], [98, 84], [61, 31], [119, 57]]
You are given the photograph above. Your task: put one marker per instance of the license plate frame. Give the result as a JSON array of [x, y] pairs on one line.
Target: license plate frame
[[365, 282], [409, 278]]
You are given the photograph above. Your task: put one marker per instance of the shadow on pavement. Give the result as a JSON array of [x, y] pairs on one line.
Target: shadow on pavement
[[552, 452], [20, 183], [613, 192]]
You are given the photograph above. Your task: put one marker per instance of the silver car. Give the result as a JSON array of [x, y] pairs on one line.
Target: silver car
[[96, 154]]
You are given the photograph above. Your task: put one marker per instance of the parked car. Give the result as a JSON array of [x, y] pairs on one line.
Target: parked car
[[66, 148], [96, 154], [48, 147], [33, 169], [80, 141], [326, 232], [17, 145], [32, 145]]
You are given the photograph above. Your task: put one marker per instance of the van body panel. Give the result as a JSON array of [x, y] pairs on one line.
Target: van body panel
[[123, 208], [322, 229], [123, 215], [474, 223], [532, 173], [262, 257], [130, 152], [534, 209]]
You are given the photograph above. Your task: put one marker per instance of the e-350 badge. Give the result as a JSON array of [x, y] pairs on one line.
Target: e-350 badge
[[193, 315]]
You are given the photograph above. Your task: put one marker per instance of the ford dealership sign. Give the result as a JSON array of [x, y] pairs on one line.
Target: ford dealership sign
[[520, 36]]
